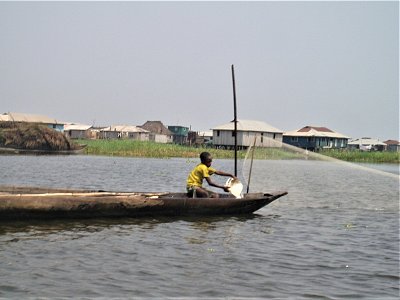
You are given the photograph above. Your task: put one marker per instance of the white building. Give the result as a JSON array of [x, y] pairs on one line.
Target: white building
[[248, 132], [367, 144], [124, 132], [78, 131]]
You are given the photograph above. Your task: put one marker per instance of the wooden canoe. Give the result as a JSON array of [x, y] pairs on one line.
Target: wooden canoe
[[8, 150], [24, 204]]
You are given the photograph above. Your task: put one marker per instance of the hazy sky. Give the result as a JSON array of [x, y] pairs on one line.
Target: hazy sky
[[333, 64]]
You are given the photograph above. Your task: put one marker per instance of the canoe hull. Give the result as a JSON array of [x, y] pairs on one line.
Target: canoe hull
[[88, 204], [8, 150]]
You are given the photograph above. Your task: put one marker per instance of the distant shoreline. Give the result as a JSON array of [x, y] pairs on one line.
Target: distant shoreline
[[132, 148], [17, 138]]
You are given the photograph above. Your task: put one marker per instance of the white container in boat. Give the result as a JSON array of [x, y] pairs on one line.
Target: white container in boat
[[235, 187]]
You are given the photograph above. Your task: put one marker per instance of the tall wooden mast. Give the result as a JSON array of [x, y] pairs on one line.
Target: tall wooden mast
[[235, 117]]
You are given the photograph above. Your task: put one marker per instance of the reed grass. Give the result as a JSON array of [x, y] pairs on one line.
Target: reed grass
[[363, 156], [276, 153], [31, 136], [125, 147], [132, 148]]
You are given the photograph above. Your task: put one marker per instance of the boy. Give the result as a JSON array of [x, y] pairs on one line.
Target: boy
[[202, 171]]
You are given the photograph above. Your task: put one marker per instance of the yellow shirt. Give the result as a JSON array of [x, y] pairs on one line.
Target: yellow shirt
[[200, 172]]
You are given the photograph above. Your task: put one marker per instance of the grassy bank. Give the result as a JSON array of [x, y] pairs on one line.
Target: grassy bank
[[150, 149], [145, 149], [363, 156], [31, 136], [133, 148]]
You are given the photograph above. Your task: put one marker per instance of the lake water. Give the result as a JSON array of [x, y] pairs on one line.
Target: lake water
[[334, 236]]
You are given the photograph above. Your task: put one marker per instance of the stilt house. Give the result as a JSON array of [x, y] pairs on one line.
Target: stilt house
[[248, 132]]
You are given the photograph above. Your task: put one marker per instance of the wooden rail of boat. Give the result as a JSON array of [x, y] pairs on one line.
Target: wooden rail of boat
[[7, 150], [36, 204]]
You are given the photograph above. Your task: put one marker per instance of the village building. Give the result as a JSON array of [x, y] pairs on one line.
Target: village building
[[314, 138], [180, 134], [78, 131], [367, 144], [248, 132], [32, 119], [204, 137], [392, 145], [200, 138], [124, 132], [158, 132]]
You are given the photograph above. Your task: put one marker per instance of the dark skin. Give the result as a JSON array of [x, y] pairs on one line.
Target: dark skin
[[201, 192]]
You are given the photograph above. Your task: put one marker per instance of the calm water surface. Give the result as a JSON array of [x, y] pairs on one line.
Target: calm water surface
[[334, 236]]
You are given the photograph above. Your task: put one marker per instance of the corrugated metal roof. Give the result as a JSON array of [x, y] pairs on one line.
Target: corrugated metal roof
[[76, 127], [5, 118], [208, 133], [320, 129], [366, 141], [315, 131], [249, 125], [30, 118], [124, 128], [392, 142]]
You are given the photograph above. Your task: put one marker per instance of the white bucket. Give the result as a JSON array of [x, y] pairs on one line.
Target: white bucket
[[235, 187]]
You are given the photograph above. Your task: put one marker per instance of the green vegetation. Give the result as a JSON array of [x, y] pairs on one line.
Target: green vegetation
[[133, 148], [125, 147], [276, 153], [31, 136], [363, 156]]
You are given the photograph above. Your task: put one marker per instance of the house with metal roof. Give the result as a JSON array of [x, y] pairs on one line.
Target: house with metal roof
[[204, 137], [78, 131], [367, 144], [392, 145], [314, 138], [32, 118], [158, 132], [124, 132], [248, 132], [180, 134], [200, 138]]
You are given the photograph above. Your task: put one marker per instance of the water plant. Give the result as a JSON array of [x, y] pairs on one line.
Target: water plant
[[363, 156], [126, 147]]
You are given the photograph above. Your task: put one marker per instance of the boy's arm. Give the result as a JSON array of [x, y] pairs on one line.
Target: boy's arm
[[211, 183], [221, 173], [224, 174]]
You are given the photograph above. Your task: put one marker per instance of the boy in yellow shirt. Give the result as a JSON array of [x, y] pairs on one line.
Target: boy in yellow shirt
[[203, 170]]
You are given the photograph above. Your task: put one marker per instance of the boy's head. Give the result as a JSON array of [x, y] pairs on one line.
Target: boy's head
[[206, 158]]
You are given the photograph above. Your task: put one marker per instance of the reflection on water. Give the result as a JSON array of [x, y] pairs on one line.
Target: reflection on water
[[78, 228], [335, 235]]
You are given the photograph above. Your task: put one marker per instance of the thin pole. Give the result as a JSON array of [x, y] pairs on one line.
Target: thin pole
[[235, 118], [251, 163]]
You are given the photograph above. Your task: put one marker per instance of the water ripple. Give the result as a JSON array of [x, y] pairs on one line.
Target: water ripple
[[335, 236]]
